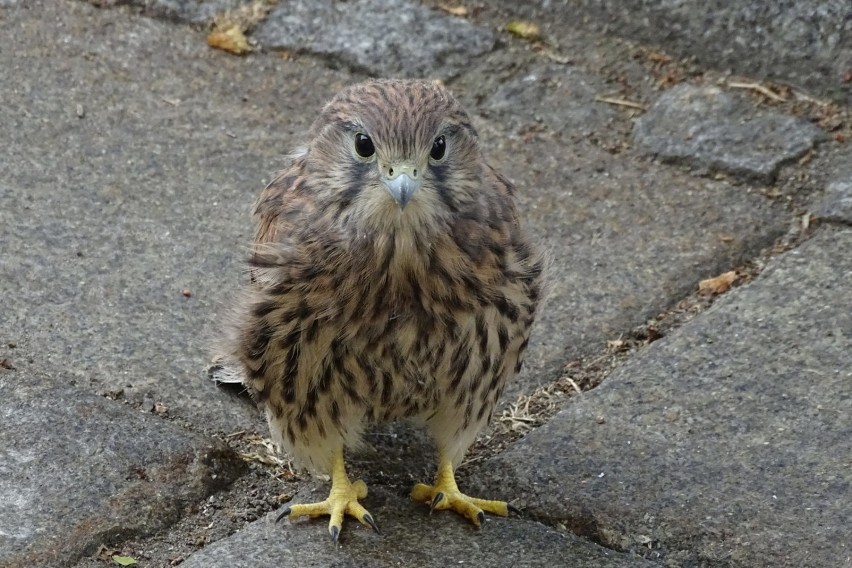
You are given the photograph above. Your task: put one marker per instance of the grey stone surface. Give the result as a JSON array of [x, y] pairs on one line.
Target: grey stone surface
[[627, 240], [713, 130], [379, 37], [192, 11], [836, 205], [561, 97], [77, 469], [108, 217], [727, 443], [410, 537], [808, 44]]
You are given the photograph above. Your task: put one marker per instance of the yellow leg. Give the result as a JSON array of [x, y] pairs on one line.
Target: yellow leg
[[445, 494], [342, 500]]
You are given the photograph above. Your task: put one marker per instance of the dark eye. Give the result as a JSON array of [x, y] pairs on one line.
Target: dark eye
[[439, 148], [364, 145]]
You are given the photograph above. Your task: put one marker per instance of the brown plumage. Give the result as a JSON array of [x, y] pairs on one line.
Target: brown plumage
[[391, 280]]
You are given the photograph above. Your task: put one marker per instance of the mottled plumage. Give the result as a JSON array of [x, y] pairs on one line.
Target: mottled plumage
[[388, 286]]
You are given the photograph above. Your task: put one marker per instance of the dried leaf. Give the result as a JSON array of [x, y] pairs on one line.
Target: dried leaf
[[659, 56], [525, 30], [459, 11], [719, 284], [231, 39], [124, 560]]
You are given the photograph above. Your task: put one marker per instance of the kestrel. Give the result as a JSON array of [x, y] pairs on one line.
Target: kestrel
[[391, 280]]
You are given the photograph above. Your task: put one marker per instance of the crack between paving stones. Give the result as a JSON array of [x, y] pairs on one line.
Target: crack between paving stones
[[583, 374]]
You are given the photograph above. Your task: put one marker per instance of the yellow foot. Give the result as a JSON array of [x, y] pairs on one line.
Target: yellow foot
[[445, 494], [342, 500]]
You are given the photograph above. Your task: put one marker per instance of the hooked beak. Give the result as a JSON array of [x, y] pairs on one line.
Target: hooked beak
[[401, 181]]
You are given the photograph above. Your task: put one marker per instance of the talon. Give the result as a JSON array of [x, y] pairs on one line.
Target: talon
[[445, 494], [437, 499], [342, 501], [369, 520], [513, 509], [282, 514]]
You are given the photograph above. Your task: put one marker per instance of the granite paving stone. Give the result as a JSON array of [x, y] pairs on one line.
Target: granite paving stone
[[727, 443], [191, 11], [712, 130], [76, 468], [627, 239], [558, 97], [836, 204], [410, 537], [133, 154], [380, 37], [804, 44]]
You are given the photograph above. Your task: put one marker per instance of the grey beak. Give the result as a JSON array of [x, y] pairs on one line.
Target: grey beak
[[402, 188]]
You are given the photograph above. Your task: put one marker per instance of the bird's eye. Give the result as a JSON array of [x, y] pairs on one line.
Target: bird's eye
[[439, 148], [364, 145]]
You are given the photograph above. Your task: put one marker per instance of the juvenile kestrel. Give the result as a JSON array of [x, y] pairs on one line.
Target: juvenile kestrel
[[391, 280]]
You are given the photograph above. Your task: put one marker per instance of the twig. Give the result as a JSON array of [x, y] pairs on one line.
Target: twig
[[803, 96], [621, 102], [760, 89], [573, 384]]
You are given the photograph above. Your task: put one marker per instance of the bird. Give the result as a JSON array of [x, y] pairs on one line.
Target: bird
[[391, 279]]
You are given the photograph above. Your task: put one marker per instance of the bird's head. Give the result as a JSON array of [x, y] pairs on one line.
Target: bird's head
[[388, 154]]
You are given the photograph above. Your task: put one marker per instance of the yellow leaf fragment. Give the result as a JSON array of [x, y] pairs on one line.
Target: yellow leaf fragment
[[231, 39], [459, 11], [718, 284], [124, 560], [525, 30]]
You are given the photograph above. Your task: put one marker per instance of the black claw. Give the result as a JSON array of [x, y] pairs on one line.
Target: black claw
[[369, 520], [282, 514], [435, 500], [335, 532], [513, 509], [480, 516]]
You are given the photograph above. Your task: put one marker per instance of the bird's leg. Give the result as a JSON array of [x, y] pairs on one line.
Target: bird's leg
[[342, 500], [445, 494]]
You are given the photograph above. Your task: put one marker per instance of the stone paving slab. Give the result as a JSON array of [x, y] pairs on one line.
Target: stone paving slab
[[714, 131], [836, 204], [132, 156], [410, 537], [399, 38], [727, 443], [628, 238], [806, 44], [76, 469], [377, 37], [560, 98]]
